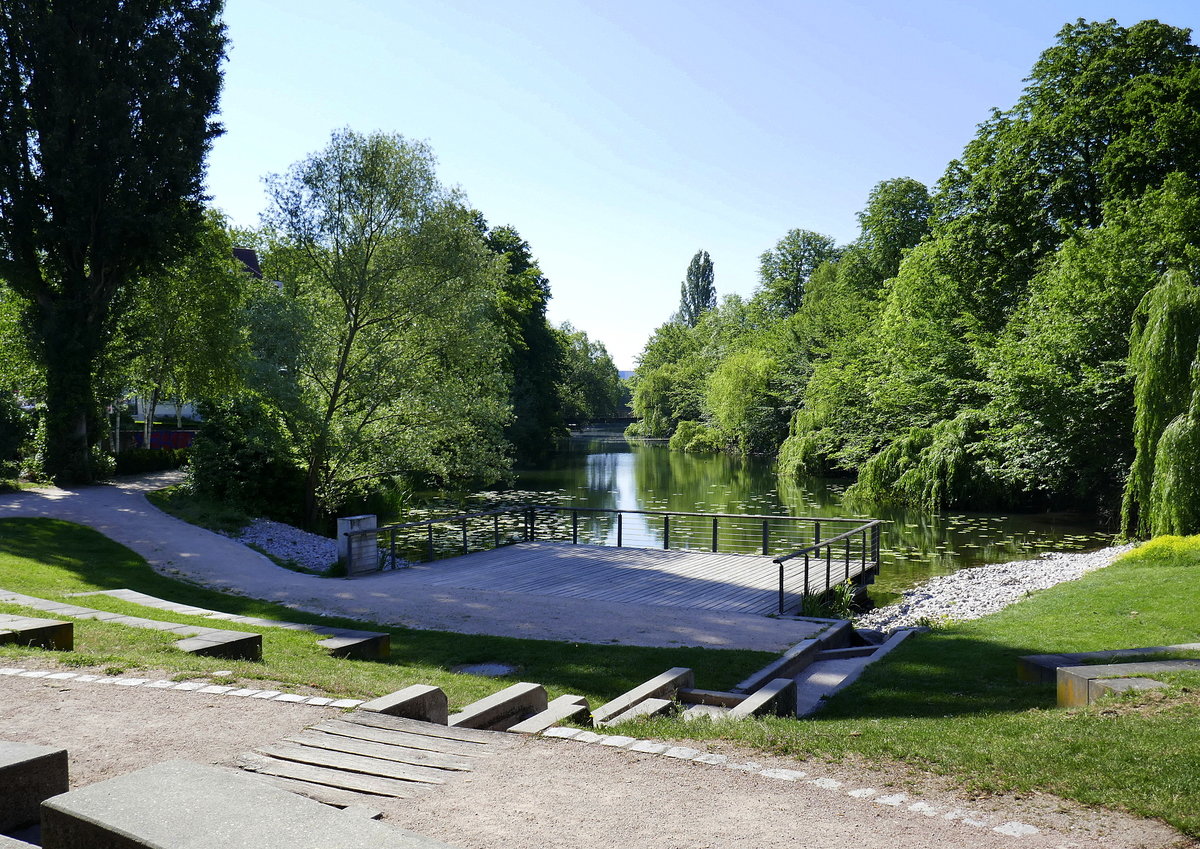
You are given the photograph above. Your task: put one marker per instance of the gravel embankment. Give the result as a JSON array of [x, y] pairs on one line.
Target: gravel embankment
[[309, 551], [972, 593]]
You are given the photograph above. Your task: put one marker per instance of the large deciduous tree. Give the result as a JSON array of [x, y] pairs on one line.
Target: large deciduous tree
[[784, 270], [401, 368], [104, 126], [697, 293]]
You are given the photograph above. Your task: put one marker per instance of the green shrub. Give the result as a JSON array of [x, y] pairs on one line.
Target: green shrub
[[137, 461], [694, 436]]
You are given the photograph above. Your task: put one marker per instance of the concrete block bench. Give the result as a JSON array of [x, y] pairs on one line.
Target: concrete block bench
[[38, 633], [29, 775], [777, 697], [420, 701], [562, 708], [182, 805], [1042, 668], [1082, 685]]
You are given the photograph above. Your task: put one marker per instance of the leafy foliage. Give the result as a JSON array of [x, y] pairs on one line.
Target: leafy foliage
[[697, 293]]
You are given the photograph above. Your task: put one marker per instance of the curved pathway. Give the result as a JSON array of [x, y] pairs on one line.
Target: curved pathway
[[177, 549]]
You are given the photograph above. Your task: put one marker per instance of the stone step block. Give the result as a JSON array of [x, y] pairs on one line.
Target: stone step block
[[29, 775], [646, 707], [663, 686], [370, 645], [235, 645], [777, 697], [1081, 685], [181, 805], [715, 698], [502, 710], [39, 633], [420, 701], [562, 708]]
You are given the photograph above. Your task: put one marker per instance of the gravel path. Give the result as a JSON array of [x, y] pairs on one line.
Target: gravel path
[[562, 793], [972, 593]]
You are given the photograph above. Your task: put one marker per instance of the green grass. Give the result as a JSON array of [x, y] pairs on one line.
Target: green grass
[[949, 700], [50, 559], [181, 503]]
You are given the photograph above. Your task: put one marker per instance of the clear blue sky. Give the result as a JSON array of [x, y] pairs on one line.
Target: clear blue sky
[[620, 137]]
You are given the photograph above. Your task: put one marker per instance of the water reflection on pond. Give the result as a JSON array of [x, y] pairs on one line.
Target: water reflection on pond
[[602, 469]]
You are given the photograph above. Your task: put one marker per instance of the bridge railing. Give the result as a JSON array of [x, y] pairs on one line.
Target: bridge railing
[[403, 544], [852, 555]]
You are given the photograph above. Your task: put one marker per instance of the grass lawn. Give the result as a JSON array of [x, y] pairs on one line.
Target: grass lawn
[[949, 701], [50, 559]]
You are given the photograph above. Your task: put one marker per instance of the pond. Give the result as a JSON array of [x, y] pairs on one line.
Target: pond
[[601, 469]]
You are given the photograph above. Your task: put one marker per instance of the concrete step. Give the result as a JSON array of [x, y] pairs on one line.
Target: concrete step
[[502, 710], [562, 708], [420, 701], [823, 678], [646, 707], [663, 686], [777, 696]]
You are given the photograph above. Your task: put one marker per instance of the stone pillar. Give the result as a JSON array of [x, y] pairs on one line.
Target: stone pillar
[[359, 554]]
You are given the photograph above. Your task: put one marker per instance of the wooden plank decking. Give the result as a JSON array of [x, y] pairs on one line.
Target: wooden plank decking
[[736, 583]]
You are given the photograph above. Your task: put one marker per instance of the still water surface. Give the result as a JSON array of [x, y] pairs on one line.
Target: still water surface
[[599, 468]]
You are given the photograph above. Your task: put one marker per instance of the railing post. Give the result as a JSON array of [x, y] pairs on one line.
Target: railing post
[[667, 531], [847, 558], [714, 541], [464, 535], [781, 588], [875, 534], [530, 529], [806, 573], [828, 564], [496, 530], [765, 536], [392, 537], [816, 532], [574, 527], [429, 539], [619, 515]]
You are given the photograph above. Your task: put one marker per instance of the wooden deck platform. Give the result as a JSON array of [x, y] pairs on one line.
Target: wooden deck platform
[[736, 583]]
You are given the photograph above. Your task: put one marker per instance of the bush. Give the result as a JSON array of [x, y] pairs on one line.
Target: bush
[[137, 461], [15, 428], [242, 455]]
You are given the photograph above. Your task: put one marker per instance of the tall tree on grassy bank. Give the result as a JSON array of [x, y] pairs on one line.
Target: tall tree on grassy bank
[[698, 292], [399, 371], [104, 126]]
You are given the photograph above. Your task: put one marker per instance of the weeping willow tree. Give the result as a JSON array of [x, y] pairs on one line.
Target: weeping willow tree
[[1162, 495]]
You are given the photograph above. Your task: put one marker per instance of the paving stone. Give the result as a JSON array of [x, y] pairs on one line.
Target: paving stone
[[826, 783], [1016, 829], [289, 697], [266, 694], [895, 800], [161, 685], [588, 737], [681, 752], [748, 766], [132, 682], [862, 792], [35, 673], [9, 670], [710, 758], [87, 679], [923, 808], [243, 692], [648, 747], [561, 733], [191, 685], [318, 701], [977, 823], [216, 689], [785, 774], [63, 676], [346, 703], [617, 741]]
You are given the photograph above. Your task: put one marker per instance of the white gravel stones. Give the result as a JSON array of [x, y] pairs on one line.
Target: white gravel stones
[[972, 593], [312, 552]]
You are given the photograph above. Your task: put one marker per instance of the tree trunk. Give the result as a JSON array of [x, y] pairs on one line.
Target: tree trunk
[[70, 412], [148, 426]]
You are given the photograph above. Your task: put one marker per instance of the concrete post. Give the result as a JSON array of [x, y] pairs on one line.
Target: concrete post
[[359, 554]]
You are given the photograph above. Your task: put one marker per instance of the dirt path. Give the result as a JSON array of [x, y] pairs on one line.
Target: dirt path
[[562, 793]]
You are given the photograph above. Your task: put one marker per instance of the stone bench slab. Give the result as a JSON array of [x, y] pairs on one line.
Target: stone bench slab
[[777, 696], [559, 710], [502, 710], [49, 634], [1081, 685], [182, 805], [646, 707], [420, 701], [662, 686], [29, 774]]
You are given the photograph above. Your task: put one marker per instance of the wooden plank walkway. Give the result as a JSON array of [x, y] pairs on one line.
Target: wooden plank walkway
[[349, 760], [735, 583]]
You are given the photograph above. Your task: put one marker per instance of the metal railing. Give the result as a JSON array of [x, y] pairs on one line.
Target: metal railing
[[857, 558], [406, 543]]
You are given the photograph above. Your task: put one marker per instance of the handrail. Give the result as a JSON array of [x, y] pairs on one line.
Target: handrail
[[822, 543]]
